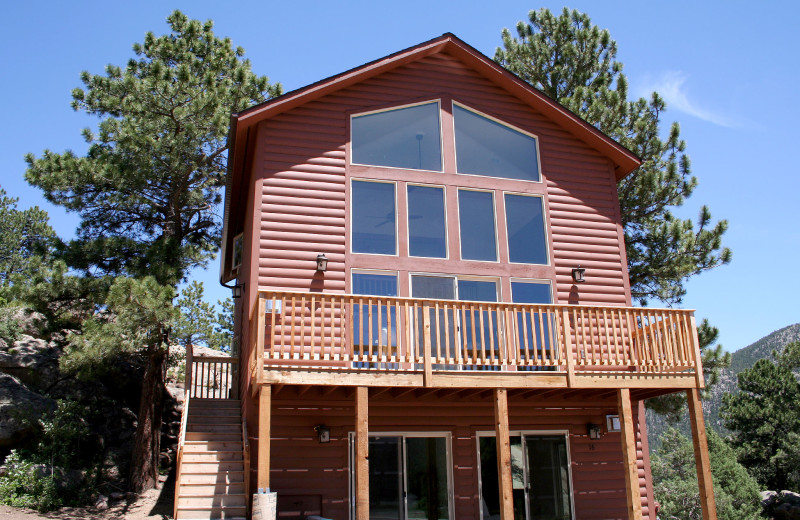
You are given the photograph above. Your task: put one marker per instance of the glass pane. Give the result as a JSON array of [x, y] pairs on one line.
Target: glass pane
[[385, 478], [426, 229], [490, 487], [402, 138], [383, 327], [436, 287], [534, 330], [476, 223], [525, 225], [485, 147], [426, 465], [373, 210], [484, 335], [548, 476]]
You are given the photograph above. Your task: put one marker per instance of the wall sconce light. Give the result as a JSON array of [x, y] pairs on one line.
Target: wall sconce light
[[322, 262], [323, 432], [594, 431], [577, 274], [236, 291]]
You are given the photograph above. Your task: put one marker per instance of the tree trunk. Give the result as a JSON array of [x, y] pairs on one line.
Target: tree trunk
[[144, 459]]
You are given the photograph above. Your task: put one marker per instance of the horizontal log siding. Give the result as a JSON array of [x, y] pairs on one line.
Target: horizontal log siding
[[303, 466], [301, 159]]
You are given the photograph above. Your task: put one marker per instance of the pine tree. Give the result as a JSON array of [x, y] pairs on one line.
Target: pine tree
[[765, 420], [25, 236], [148, 189], [574, 62]]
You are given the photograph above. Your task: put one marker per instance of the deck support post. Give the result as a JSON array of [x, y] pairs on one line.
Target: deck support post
[[503, 454], [362, 453], [264, 435], [700, 442], [629, 459]]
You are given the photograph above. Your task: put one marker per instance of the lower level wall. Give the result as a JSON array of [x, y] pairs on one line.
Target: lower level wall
[[305, 472]]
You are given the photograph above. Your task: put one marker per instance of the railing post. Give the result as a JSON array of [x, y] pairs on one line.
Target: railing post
[[698, 362], [188, 369], [568, 347], [261, 330], [426, 346]]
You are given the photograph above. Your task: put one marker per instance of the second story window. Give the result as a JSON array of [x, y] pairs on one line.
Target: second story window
[[427, 235], [373, 218], [476, 223], [407, 137], [525, 227]]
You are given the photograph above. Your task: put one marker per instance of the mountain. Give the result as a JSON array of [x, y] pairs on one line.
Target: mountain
[[742, 359]]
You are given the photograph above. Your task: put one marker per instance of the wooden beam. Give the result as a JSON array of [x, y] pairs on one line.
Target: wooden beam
[[426, 345], [503, 454], [362, 453], [264, 434], [629, 460], [700, 442]]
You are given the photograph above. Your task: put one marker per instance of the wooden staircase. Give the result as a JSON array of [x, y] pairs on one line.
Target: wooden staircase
[[211, 467]]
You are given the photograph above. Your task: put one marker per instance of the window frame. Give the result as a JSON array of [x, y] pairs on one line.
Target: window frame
[[502, 123], [353, 115], [540, 281], [443, 187], [396, 219], [496, 260], [545, 227]]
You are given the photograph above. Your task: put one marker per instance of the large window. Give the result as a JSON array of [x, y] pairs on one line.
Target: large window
[[541, 483], [427, 234], [373, 223], [477, 225], [374, 326], [406, 137], [525, 227], [409, 477], [487, 147]]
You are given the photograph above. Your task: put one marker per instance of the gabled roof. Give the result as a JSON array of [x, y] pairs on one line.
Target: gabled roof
[[623, 159]]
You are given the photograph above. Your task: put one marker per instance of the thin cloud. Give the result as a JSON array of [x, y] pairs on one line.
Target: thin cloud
[[672, 87]]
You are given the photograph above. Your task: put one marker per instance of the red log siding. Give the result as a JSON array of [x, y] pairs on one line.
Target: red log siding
[[301, 158], [303, 466]]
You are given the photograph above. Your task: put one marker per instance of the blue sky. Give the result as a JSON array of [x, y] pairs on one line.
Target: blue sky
[[729, 73]]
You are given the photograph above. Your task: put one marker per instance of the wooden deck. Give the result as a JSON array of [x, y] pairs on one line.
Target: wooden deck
[[356, 340]]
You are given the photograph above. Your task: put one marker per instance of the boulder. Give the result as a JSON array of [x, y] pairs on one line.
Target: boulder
[[33, 361], [20, 408]]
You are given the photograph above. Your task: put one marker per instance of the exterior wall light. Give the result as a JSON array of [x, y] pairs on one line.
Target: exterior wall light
[[236, 291], [322, 262], [577, 274], [594, 431], [323, 432]]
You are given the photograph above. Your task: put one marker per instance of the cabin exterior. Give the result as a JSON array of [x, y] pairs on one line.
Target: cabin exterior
[[435, 317]]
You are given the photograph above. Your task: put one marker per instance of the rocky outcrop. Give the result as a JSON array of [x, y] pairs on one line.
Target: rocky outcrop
[[781, 506], [20, 408]]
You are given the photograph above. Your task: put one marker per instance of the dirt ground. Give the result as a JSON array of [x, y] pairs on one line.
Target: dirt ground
[[154, 504]]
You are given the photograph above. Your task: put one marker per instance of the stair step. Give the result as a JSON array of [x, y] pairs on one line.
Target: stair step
[[212, 501], [211, 467], [235, 420], [212, 479], [203, 447], [221, 428], [213, 412], [213, 436], [212, 456], [205, 489], [227, 513], [197, 402]]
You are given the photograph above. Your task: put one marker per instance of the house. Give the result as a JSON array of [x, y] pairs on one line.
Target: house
[[435, 317]]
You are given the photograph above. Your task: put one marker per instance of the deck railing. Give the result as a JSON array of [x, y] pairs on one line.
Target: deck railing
[[343, 331], [212, 377]]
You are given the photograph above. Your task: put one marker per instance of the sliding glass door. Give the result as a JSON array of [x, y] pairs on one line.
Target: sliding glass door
[[540, 476], [408, 477]]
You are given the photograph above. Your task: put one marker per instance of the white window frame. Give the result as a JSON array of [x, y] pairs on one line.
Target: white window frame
[[459, 189], [404, 435], [438, 103], [396, 220], [507, 125], [523, 434], [408, 224]]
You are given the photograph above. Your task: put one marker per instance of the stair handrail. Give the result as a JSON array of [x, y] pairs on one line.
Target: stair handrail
[[246, 462], [181, 442]]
